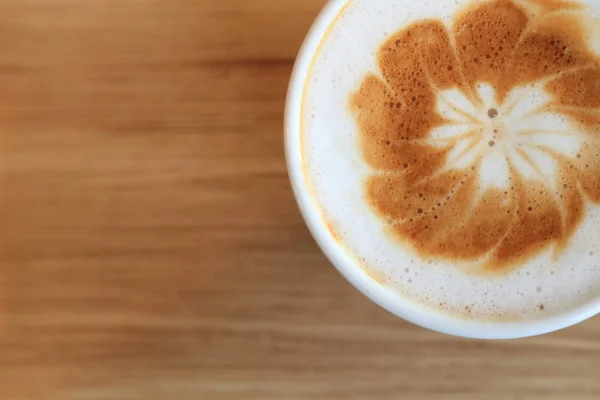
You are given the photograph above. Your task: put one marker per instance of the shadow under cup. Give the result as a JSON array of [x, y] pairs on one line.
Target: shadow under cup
[[343, 259]]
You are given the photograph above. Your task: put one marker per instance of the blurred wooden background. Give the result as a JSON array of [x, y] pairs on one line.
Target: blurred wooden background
[[150, 247]]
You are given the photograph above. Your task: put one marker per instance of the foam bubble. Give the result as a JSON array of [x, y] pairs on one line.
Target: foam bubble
[[415, 216]]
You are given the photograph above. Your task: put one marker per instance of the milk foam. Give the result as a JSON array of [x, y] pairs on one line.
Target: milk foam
[[547, 283]]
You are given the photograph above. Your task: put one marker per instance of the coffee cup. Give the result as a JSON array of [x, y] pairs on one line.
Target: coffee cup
[[444, 157]]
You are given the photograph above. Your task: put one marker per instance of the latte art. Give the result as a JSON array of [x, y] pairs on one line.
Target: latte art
[[453, 150], [483, 134]]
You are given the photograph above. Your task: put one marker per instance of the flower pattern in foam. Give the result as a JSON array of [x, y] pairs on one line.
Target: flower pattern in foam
[[484, 135]]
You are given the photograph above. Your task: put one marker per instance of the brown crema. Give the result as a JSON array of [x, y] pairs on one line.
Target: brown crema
[[447, 213]]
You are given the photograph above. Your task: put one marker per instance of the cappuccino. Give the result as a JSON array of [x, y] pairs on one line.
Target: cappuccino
[[453, 149]]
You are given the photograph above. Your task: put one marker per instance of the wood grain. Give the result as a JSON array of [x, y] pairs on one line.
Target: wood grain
[[150, 246]]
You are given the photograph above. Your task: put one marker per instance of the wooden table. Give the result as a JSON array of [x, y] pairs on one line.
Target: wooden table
[[150, 245]]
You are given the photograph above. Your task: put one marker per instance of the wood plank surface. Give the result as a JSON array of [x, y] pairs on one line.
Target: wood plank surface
[[150, 246]]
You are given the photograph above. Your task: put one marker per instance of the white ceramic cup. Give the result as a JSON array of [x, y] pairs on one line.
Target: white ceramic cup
[[386, 297]]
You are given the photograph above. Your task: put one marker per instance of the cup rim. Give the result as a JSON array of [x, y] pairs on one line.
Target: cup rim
[[385, 297]]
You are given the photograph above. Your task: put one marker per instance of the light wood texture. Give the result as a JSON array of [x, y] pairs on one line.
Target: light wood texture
[[150, 244]]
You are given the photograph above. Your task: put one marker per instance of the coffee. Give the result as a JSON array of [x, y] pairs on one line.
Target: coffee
[[454, 150]]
